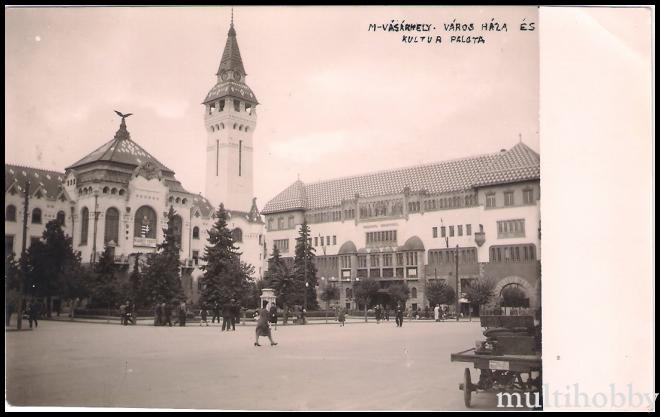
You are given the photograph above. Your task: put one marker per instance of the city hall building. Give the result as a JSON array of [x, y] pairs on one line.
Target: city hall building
[[119, 194], [403, 225]]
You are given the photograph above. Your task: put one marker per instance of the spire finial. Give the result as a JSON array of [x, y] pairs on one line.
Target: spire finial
[[519, 137], [232, 16]]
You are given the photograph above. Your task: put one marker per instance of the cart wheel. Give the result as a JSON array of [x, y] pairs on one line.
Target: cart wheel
[[467, 388]]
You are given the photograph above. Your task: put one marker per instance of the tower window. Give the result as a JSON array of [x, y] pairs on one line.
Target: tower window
[[237, 105], [235, 124], [221, 105]]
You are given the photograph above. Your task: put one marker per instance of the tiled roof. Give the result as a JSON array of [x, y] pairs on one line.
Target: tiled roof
[[120, 149], [519, 163], [49, 181], [231, 88], [231, 56], [203, 205]]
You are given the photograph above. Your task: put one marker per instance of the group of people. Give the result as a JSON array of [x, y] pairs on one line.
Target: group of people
[[163, 314], [231, 314]]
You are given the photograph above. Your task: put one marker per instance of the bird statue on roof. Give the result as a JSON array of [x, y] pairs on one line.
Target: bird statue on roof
[[123, 116]]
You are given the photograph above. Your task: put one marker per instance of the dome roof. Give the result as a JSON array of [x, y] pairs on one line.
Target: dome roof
[[413, 243], [347, 247]]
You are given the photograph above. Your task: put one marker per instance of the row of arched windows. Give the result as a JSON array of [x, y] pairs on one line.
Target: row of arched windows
[[35, 218], [113, 191], [220, 126], [178, 200]]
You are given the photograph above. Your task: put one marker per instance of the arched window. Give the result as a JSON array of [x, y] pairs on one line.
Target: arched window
[[184, 201], [105, 190], [195, 232], [145, 223], [222, 125], [122, 191], [246, 128], [237, 235], [178, 200], [36, 216], [113, 191], [413, 292], [111, 226], [61, 217], [178, 227], [10, 213], [84, 225], [212, 128]]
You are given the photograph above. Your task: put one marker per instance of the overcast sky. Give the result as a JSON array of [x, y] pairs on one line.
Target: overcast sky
[[335, 99]]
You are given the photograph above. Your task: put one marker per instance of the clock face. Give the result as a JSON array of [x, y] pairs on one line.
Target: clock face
[[224, 75], [237, 76]]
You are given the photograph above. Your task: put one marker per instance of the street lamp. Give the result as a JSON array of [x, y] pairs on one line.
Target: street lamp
[[457, 293], [96, 220]]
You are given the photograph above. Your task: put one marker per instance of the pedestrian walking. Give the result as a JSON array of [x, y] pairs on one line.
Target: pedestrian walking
[[182, 314], [436, 312], [263, 328], [378, 314], [216, 312], [273, 314], [387, 312], [398, 312], [303, 316], [34, 313], [341, 316], [203, 316], [226, 315]]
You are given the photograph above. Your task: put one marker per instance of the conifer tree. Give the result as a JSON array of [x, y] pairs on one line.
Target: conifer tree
[[161, 281], [304, 269], [225, 276], [280, 279], [105, 287]]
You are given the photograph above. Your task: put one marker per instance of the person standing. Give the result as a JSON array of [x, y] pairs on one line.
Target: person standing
[[436, 312], [273, 314], [130, 312], [341, 316], [387, 312], [235, 313], [167, 314], [378, 313], [226, 315], [182, 314], [399, 315], [122, 314], [216, 312], [158, 315], [34, 313], [203, 316], [263, 328]]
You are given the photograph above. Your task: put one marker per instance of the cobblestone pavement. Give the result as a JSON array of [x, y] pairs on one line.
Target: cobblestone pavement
[[362, 366]]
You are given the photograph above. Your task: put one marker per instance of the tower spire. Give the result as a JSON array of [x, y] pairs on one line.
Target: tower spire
[[232, 16]]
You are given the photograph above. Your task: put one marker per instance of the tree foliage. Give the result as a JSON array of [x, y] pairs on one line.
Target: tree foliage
[[329, 293], [439, 292], [399, 293], [53, 267], [480, 291], [513, 296], [304, 269], [104, 286], [225, 275], [161, 281]]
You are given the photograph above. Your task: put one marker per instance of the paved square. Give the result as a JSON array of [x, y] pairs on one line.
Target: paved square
[[314, 367]]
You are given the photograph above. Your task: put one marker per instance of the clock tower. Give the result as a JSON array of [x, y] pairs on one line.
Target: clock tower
[[230, 119]]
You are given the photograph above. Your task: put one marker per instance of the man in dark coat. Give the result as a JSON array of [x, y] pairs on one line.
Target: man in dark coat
[[227, 313], [236, 314], [34, 313], [167, 314], [182, 314], [399, 315], [273, 314]]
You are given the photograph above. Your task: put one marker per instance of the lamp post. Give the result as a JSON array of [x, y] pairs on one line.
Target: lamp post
[[96, 220], [457, 293], [23, 262]]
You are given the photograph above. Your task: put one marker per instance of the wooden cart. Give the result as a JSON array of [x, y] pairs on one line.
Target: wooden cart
[[512, 355]]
